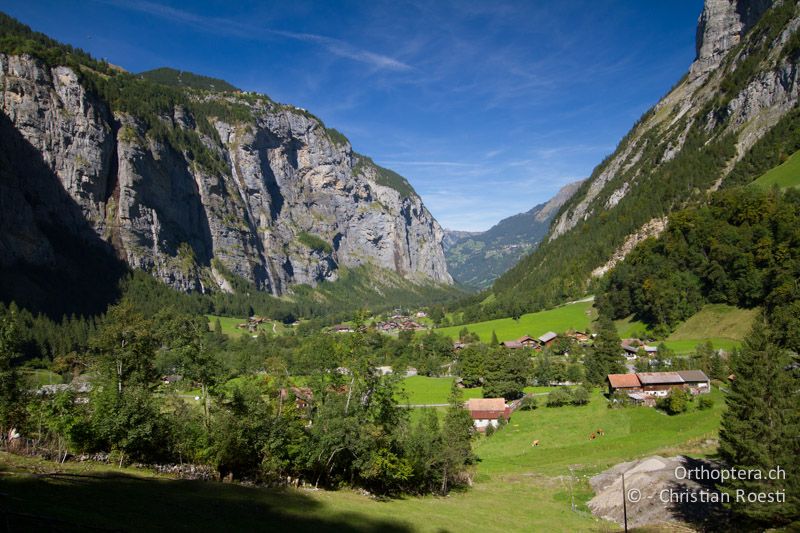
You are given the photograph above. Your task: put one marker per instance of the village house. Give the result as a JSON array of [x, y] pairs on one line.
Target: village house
[[487, 412], [547, 339], [644, 387], [342, 328], [526, 341]]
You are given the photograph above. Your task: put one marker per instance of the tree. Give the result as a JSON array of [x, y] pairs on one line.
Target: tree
[[760, 427], [217, 326], [125, 347], [12, 397], [676, 402], [507, 373], [456, 440], [472, 363], [580, 396], [606, 356], [529, 403], [559, 397], [494, 341]]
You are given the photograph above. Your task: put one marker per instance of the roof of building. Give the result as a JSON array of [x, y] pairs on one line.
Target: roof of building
[[512, 344], [486, 404], [659, 378], [650, 349], [487, 415], [525, 338], [547, 337], [630, 349], [692, 375], [624, 381]]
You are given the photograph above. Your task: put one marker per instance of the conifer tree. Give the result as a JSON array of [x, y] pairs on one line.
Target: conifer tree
[[606, 356], [456, 440], [760, 427]]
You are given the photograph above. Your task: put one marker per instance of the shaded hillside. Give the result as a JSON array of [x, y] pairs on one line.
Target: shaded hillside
[[477, 259], [731, 118]]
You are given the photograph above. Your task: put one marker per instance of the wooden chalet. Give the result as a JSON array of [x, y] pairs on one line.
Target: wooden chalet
[[547, 339], [487, 412], [645, 386]]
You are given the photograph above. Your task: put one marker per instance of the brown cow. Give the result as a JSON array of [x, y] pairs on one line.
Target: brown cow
[[600, 432], [535, 443], [592, 436]]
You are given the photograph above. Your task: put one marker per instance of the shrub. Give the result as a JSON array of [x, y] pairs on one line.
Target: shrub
[[677, 402], [705, 403], [559, 397], [528, 403], [580, 396], [314, 242]]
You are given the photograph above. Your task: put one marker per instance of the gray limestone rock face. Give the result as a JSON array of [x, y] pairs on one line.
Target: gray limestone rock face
[[288, 205]]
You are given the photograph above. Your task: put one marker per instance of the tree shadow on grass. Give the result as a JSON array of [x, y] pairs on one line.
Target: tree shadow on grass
[[118, 502]]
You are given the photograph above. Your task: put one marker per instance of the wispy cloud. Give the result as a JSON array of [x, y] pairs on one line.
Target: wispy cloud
[[232, 28]]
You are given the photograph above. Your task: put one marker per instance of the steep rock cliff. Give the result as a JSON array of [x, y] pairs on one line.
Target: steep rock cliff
[[266, 192]]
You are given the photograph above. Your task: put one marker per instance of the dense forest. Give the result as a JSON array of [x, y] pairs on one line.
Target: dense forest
[[741, 248]]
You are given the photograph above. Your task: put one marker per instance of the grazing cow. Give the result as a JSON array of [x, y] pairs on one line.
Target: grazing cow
[[535, 443], [600, 432], [592, 436]]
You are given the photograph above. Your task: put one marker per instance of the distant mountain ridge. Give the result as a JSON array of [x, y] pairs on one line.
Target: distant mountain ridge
[[476, 259]]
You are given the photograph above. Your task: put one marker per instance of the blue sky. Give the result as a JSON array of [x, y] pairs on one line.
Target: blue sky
[[487, 107]]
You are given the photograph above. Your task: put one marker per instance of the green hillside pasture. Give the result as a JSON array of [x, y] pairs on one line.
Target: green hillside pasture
[[229, 325], [685, 347], [571, 316], [787, 174], [716, 321], [517, 487]]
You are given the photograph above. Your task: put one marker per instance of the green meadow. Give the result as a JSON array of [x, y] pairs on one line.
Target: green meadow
[[784, 175], [516, 487], [576, 316], [229, 325]]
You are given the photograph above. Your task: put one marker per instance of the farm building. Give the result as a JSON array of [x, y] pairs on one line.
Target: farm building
[[547, 339], [487, 411], [526, 341], [343, 328], [658, 384], [302, 396]]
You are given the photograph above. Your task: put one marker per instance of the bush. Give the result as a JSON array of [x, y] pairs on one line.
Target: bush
[[489, 430], [677, 402], [528, 403], [705, 403], [559, 397], [580, 396]]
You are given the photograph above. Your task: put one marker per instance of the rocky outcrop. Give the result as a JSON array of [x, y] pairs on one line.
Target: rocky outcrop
[[720, 28], [748, 114], [653, 228], [281, 201]]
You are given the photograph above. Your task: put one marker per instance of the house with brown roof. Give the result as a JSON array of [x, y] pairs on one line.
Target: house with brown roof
[[487, 412], [623, 382], [658, 384], [547, 339]]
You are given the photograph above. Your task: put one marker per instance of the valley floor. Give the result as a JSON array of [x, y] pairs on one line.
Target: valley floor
[[517, 487]]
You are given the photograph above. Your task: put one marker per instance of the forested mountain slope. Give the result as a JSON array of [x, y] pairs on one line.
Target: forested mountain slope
[[477, 259], [187, 178], [732, 117]]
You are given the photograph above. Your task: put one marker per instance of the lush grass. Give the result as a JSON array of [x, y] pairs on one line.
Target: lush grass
[[35, 378], [571, 316], [688, 346], [517, 487], [229, 325], [422, 390], [784, 175], [628, 327], [716, 321], [563, 435]]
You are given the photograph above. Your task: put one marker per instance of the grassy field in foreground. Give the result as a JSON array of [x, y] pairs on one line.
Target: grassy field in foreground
[[517, 487], [784, 175], [571, 316], [229, 325]]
